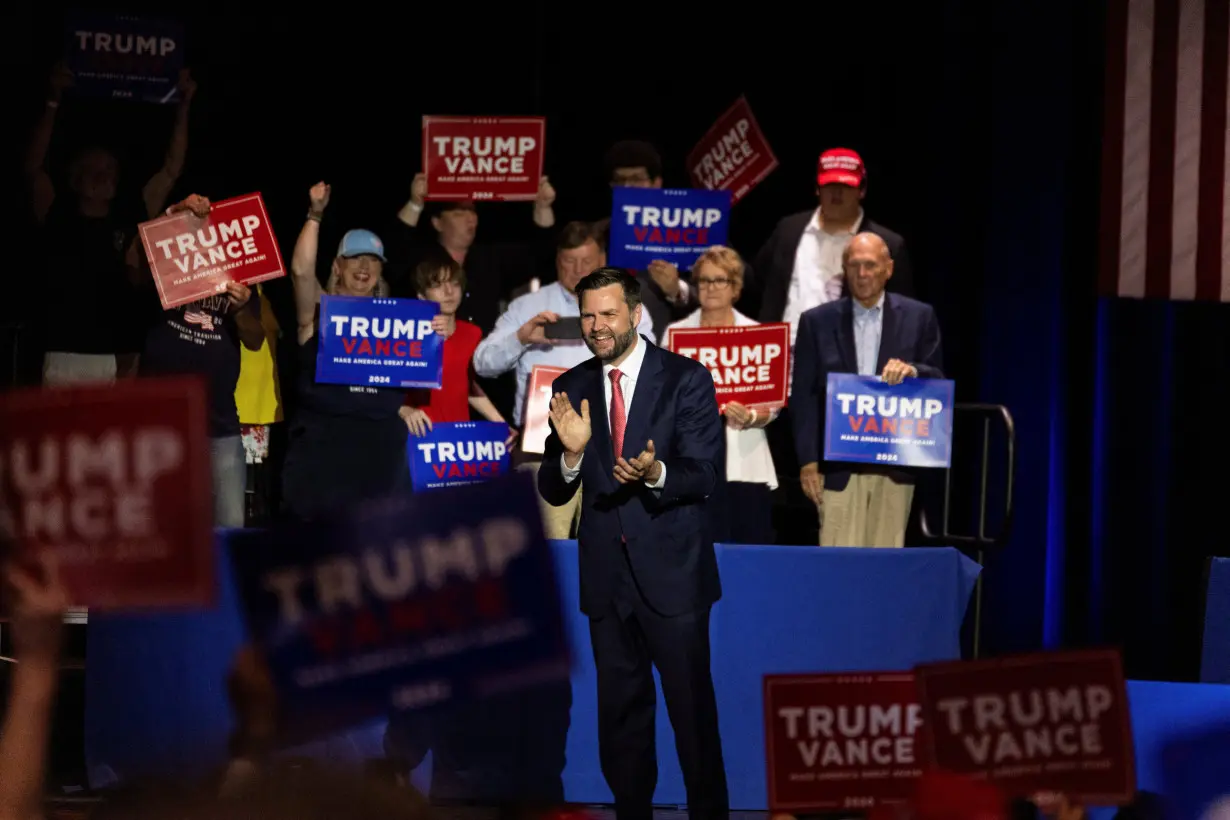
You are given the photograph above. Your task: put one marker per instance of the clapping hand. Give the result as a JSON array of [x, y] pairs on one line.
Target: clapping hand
[[644, 467], [572, 428]]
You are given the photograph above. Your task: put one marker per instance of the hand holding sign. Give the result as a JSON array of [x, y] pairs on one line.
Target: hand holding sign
[[198, 205], [573, 429], [440, 324], [546, 194], [417, 420], [237, 295], [897, 371], [738, 416], [644, 467]]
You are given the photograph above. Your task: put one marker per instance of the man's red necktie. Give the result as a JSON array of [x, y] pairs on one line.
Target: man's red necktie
[[619, 416]]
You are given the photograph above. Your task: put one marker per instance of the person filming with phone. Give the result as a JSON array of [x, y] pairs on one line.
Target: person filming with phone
[[544, 328]]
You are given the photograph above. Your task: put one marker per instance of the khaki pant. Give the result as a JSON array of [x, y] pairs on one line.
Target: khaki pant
[[78, 368], [558, 523], [872, 511]]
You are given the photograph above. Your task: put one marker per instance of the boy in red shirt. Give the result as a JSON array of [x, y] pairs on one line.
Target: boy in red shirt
[[439, 278]]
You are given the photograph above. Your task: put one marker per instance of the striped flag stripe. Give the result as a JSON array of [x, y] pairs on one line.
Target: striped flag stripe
[[1166, 193]]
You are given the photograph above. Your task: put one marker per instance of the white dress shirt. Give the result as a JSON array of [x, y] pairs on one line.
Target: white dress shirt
[[818, 274], [629, 371], [502, 351], [748, 457], [868, 328]]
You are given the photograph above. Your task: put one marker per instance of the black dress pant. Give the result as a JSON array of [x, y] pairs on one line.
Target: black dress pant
[[628, 642]]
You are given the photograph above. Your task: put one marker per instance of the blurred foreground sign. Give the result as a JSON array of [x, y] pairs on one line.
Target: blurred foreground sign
[[403, 604], [113, 482]]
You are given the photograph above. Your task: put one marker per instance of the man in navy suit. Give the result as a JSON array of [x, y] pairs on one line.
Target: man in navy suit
[[871, 332], [637, 429]]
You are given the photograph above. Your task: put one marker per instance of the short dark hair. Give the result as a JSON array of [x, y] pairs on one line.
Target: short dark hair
[[633, 154], [436, 208], [575, 234], [436, 268], [604, 277]]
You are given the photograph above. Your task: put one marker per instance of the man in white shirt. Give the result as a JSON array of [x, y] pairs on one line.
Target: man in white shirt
[[520, 341], [799, 266]]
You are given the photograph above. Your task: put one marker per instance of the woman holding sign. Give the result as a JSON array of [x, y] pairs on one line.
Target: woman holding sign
[[744, 515], [347, 442]]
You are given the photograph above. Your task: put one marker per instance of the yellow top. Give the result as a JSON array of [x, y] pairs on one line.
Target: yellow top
[[257, 393]]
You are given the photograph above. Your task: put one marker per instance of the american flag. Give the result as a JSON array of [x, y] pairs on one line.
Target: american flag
[[1166, 192]]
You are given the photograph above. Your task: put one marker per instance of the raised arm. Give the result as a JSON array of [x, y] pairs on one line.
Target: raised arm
[[544, 205], [42, 191], [303, 263], [39, 603], [159, 187], [413, 209]]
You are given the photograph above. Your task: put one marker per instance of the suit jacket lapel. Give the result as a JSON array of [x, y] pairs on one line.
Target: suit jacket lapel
[[644, 399], [845, 337], [888, 333]]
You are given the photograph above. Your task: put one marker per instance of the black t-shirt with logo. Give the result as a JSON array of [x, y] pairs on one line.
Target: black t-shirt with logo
[[94, 310], [198, 338]]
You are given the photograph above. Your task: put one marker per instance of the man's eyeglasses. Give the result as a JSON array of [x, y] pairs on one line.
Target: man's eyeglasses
[[706, 282]]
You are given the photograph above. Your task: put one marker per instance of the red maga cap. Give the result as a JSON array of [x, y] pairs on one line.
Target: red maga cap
[[841, 166]]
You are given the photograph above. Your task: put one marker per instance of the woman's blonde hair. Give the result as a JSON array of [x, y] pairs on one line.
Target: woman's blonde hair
[[726, 260]]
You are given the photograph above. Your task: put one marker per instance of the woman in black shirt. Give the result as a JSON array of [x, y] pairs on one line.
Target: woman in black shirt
[[347, 442]]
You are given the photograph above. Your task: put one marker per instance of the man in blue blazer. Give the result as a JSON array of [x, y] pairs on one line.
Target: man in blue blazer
[[637, 429], [871, 332]]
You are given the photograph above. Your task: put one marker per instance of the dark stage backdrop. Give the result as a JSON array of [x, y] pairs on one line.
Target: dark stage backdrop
[[980, 125]]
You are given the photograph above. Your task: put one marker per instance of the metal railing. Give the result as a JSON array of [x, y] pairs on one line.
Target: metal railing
[[979, 541]]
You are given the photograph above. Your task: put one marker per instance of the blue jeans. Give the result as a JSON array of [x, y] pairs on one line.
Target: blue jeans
[[230, 473]]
